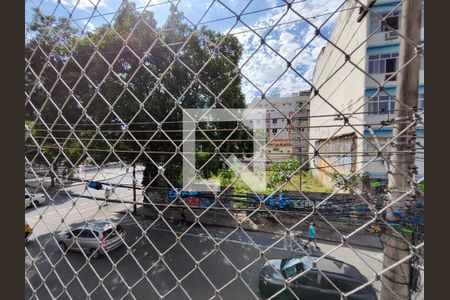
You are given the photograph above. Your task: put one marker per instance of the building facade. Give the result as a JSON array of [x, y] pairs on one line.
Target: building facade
[[352, 89], [285, 141]]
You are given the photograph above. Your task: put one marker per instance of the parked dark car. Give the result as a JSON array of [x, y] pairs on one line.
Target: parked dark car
[[313, 285]]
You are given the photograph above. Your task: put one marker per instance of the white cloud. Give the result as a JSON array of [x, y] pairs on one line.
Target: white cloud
[[145, 2], [265, 66], [83, 4], [89, 26]]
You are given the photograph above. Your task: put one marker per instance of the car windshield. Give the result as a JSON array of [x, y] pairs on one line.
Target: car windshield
[[293, 266]]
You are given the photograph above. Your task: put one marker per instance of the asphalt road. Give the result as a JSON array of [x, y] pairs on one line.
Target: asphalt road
[[137, 271], [217, 269]]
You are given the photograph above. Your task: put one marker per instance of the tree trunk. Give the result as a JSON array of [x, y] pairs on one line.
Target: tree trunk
[[149, 173], [53, 171]]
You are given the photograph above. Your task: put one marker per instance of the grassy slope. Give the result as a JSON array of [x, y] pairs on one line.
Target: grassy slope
[[309, 184]]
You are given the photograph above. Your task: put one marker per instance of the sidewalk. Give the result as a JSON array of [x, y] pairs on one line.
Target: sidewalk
[[223, 219]]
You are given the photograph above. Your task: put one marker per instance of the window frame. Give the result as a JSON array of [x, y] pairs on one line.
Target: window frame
[[88, 234], [74, 233], [421, 102], [390, 15], [377, 63], [376, 101], [375, 22]]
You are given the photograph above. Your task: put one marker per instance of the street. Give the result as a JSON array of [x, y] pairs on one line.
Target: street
[[143, 274]]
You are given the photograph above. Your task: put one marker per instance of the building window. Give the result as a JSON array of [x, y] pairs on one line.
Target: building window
[[392, 19], [380, 105], [384, 64], [421, 104], [274, 131], [274, 121], [276, 149]]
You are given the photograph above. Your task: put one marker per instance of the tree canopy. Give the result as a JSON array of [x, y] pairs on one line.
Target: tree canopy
[[122, 87]]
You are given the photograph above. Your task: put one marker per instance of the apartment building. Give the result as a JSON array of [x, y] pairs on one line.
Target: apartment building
[[285, 142], [374, 49]]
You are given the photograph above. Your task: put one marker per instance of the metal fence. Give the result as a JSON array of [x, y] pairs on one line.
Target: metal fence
[[134, 113]]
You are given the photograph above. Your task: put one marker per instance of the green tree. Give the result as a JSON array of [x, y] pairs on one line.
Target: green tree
[[48, 77], [357, 181], [281, 171], [136, 91]]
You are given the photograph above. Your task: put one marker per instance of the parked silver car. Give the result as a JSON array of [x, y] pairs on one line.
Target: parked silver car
[[94, 238]]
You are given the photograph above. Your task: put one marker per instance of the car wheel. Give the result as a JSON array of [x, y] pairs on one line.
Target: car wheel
[[94, 254], [63, 246]]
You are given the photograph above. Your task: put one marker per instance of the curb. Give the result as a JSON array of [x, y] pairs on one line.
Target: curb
[[262, 230]]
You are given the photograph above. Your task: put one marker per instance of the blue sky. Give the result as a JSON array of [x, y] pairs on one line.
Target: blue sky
[[263, 68]]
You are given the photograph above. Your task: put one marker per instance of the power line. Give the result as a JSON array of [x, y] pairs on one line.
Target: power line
[[363, 153], [201, 23], [181, 140], [239, 32], [294, 21], [208, 129], [298, 115]]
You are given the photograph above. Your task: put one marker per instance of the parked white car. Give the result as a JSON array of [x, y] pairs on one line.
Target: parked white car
[[37, 199]]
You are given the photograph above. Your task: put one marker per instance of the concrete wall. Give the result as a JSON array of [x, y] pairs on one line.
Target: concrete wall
[[337, 81], [265, 222], [346, 88], [341, 84], [333, 153]]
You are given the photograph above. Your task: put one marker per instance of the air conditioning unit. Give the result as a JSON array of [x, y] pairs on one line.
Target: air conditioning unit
[[390, 35]]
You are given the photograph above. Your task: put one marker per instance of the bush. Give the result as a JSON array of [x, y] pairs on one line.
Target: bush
[[357, 181], [226, 176], [282, 170]]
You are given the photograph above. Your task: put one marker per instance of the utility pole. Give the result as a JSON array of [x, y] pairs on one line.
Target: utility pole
[[134, 187], [397, 281]]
